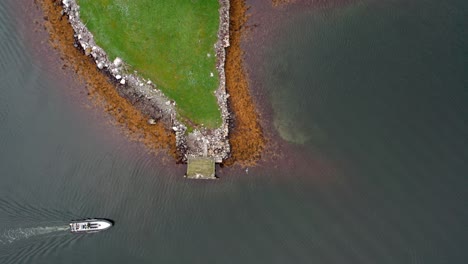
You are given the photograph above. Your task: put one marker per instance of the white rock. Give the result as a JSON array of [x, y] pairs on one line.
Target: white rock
[[148, 82], [211, 74], [118, 77], [168, 102], [151, 121], [122, 81], [100, 65], [117, 62], [175, 128]]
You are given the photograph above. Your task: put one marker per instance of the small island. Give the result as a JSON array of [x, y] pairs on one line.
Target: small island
[[168, 61], [168, 42]]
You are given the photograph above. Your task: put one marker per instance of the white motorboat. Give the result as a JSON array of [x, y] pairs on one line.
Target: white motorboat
[[90, 225]]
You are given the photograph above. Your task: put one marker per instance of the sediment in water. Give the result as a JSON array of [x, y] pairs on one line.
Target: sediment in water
[[281, 2]]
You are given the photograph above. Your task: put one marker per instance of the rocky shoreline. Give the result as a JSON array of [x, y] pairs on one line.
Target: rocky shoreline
[[144, 95]]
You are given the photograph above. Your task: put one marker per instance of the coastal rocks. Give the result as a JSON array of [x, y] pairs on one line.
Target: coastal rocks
[[214, 143], [66, 3], [149, 100], [140, 92], [117, 62]]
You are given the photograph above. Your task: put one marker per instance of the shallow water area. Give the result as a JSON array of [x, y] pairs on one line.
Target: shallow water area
[[377, 89], [372, 189]]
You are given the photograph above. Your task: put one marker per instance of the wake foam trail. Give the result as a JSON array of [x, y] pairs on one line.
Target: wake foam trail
[[12, 235], [36, 248]]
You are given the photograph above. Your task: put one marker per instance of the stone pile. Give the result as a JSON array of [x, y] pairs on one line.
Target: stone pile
[[145, 96], [215, 143]]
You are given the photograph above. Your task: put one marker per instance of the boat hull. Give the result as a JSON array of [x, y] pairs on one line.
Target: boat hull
[[90, 225]]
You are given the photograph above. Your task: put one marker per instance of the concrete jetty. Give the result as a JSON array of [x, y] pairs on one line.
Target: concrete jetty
[[201, 168]]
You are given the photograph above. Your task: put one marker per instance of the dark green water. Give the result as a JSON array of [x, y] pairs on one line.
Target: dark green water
[[377, 92]]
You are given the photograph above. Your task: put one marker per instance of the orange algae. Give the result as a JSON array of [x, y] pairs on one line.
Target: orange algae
[[100, 89], [246, 137]]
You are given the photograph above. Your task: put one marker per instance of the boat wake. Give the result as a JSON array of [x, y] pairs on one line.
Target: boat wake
[[32, 244], [29, 233], [12, 235]]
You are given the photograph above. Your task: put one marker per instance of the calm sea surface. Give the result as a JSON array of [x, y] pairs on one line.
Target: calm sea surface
[[371, 99]]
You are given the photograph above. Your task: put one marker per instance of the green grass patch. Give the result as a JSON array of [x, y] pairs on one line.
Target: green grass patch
[[167, 41]]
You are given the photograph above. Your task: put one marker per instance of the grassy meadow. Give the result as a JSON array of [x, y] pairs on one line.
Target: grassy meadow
[[170, 42]]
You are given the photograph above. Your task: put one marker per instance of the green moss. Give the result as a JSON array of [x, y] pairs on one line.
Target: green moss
[[166, 41]]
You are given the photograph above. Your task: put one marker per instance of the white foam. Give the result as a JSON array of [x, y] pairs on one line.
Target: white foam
[[12, 235]]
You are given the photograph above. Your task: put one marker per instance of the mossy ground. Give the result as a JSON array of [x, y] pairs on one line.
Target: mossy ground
[[167, 41]]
